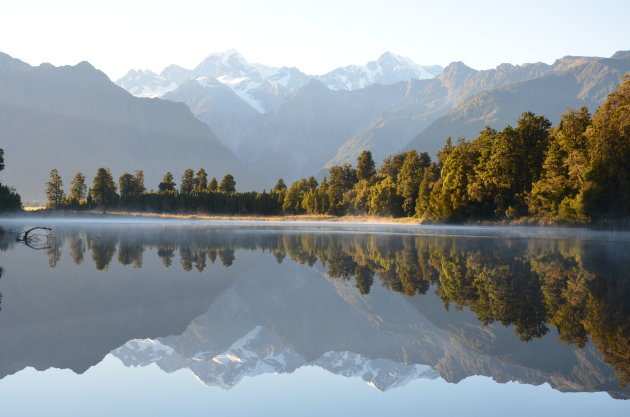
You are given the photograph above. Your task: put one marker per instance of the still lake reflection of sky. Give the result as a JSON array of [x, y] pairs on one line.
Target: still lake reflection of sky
[[154, 319]]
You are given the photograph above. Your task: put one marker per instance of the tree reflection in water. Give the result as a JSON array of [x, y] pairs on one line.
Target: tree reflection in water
[[579, 287]]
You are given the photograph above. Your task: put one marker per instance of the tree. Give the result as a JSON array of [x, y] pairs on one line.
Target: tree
[[294, 196], [139, 181], [167, 184], [188, 182], [409, 179], [563, 175], [228, 184], [103, 191], [391, 166], [54, 189], [366, 168], [342, 179], [607, 193], [201, 182], [126, 185], [213, 185], [280, 186], [79, 189], [383, 199], [9, 199]]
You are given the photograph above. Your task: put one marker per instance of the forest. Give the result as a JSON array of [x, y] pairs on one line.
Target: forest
[[575, 172]]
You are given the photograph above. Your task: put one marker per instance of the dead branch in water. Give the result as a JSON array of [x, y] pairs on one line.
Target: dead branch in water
[[34, 240]]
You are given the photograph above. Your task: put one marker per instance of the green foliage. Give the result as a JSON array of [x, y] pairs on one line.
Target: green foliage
[[167, 184], [131, 185], [201, 182], [409, 179], [78, 189], [555, 195], [578, 172], [342, 179], [9, 199], [228, 184], [213, 185], [188, 182], [280, 186], [366, 168], [54, 189], [383, 200], [103, 191], [392, 165], [607, 191]]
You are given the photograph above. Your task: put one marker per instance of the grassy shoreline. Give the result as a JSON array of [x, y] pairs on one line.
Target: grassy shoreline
[[200, 216], [297, 218]]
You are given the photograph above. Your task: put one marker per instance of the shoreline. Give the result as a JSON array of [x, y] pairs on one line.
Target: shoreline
[[293, 218], [303, 218]]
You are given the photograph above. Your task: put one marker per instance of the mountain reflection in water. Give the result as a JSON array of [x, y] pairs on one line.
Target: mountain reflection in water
[[233, 302]]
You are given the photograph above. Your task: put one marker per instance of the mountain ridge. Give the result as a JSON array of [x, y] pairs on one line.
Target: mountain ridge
[[74, 118]]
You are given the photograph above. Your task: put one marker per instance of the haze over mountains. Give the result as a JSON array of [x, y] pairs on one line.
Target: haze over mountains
[[262, 123], [264, 87], [330, 119], [76, 119]]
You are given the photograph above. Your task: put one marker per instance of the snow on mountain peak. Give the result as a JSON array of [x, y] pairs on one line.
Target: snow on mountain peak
[[264, 87], [261, 351]]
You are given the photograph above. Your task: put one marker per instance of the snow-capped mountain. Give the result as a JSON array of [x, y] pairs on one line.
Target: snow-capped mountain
[[264, 87], [389, 68], [261, 351], [145, 83]]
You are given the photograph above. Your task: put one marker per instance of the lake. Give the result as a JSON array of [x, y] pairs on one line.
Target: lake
[[130, 316]]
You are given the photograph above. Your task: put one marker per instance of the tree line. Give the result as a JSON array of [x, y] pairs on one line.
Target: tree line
[[580, 289], [577, 171]]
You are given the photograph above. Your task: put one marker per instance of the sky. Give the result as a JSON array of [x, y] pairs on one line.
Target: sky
[[315, 36]]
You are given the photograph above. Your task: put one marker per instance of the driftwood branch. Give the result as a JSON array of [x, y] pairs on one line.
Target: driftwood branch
[[34, 240]]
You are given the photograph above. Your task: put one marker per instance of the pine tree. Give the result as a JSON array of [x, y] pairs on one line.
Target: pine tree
[[54, 189], [366, 168], [201, 182], [103, 191], [79, 189], [131, 185], [213, 185], [280, 186], [139, 181], [228, 184], [342, 179], [167, 184], [409, 179], [188, 182]]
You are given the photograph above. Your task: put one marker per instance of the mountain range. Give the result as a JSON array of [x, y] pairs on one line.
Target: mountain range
[[74, 118], [262, 123], [264, 87], [313, 123]]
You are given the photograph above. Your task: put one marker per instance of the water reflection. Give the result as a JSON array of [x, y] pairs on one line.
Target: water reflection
[[435, 304]]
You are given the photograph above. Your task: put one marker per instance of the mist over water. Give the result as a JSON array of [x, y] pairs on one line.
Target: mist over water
[[399, 307]]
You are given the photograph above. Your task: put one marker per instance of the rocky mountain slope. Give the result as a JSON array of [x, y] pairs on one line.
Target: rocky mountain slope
[[76, 119], [571, 82]]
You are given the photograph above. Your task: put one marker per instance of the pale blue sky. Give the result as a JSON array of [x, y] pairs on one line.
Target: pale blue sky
[[315, 36]]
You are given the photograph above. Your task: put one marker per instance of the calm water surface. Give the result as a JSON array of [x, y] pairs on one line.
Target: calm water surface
[[117, 317]]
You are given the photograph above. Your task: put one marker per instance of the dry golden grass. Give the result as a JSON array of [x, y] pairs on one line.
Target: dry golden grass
[[290, 218]]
